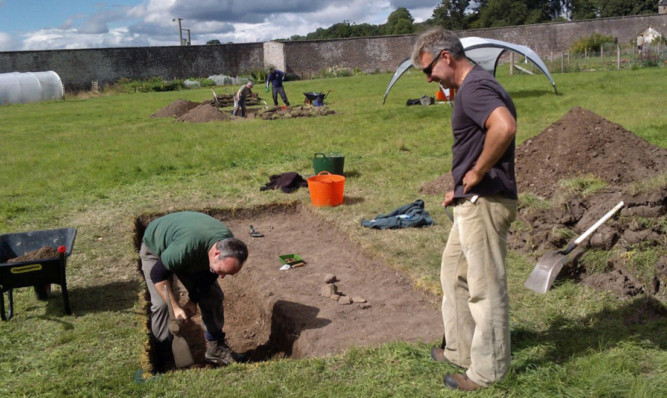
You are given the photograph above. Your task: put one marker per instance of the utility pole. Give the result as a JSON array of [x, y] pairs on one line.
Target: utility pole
[[188, 42], [180, 31]]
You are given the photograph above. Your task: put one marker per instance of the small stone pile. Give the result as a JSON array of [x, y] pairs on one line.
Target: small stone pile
[[330, 290]]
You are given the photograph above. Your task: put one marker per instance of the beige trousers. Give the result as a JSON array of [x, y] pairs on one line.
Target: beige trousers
[[475, 304]]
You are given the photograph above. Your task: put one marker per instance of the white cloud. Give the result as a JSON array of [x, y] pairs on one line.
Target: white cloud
[[152, 22]]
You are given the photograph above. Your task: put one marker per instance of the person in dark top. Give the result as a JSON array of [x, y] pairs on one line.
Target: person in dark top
[[275, 79], [475, 305], [198, 249], [240, 97]]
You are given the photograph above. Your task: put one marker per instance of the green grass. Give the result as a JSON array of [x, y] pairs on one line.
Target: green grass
[[97, 163]]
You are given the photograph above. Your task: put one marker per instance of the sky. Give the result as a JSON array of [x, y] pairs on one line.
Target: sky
[[69, 24]]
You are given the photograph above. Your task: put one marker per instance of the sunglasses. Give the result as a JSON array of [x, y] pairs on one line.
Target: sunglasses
[[429, 69]]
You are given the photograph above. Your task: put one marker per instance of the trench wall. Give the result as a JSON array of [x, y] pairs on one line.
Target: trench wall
[[78, 68]]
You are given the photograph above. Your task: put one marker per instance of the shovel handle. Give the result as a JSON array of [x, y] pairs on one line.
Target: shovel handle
[[595, 226]]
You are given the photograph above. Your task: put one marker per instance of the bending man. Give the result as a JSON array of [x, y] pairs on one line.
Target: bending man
[[198, 249]]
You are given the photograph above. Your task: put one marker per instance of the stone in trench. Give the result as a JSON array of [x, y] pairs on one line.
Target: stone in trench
[[335, 297], [357, 299], [344, 300], [329, 278], [328, 290]]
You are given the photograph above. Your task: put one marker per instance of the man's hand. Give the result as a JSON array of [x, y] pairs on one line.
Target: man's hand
[[449, 198], [470, 179]]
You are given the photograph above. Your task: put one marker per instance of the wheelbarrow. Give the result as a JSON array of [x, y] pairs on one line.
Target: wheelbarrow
[[315, 98], [40, 273]]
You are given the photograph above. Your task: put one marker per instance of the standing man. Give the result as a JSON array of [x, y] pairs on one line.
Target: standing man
[[475, 305], [198, 249], [239, 99], [277, 78]]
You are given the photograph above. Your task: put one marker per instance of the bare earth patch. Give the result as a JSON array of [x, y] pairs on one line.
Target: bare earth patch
[[270, 313]]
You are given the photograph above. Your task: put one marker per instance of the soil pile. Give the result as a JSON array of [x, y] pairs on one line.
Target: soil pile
[[203, 113], [583, 144], [39, 254], [177, 108], [278, 112]]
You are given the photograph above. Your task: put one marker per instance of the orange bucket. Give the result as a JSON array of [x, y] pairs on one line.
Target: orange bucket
[[326, 189], [440, 96]]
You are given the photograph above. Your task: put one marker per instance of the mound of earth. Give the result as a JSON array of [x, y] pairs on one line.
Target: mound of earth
[[203, 113], [177, 108], [278, 112], [40, 254], [583, 144]]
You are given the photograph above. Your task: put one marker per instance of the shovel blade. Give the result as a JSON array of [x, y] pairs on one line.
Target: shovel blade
[[545, 272], [182, 355]]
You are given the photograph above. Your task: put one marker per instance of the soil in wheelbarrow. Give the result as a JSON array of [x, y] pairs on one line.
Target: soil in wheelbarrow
[[583, 144], [42, 253], [273, 313]]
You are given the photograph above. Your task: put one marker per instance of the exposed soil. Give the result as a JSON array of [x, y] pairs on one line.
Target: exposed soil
[[208, 111], [273, 313], [39, 254], [583, 144]]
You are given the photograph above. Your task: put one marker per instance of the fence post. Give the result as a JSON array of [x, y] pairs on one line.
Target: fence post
[[602, 54], [562, 62], [618, 57], [511, 63]]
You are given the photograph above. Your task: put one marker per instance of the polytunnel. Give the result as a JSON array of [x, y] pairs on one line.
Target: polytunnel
[[26, 87]]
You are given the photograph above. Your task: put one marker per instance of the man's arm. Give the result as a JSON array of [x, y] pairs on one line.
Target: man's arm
[[500, 131]]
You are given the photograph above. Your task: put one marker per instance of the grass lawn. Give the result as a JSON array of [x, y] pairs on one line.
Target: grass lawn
[[96, 163]]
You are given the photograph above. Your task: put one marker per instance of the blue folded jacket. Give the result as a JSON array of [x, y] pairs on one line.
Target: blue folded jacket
[[410, 215]]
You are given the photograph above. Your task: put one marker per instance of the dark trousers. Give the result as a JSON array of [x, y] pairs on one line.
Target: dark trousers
[[279, 90]]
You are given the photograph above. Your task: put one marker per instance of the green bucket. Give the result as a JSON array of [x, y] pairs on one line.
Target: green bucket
[[333, 163]]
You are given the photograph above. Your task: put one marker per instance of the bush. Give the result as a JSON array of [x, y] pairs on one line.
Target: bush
[[591, 43]]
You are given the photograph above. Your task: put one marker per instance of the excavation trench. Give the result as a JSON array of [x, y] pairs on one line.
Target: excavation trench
[[272, 313]]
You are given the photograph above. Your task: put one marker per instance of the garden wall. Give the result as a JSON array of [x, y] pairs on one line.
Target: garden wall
[[79, 68]]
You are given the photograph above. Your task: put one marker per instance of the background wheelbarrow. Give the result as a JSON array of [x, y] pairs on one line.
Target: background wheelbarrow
[[40, 273], [315, 98]]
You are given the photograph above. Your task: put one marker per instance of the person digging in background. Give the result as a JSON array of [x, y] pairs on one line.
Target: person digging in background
[[198, 249], [244, 93], [275, 79], [475, 304]]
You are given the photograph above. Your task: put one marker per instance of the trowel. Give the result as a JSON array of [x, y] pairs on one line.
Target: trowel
[[254, 233], [548, 267], [179, 346]]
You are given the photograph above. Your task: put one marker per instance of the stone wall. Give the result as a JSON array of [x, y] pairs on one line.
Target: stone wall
[[78, 68]]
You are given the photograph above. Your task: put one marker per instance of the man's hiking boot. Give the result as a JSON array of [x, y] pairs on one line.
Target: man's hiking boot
[[438, 355], [460, 381], [219, 353]]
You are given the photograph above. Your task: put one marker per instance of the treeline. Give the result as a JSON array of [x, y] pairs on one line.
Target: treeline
[[470, 14]]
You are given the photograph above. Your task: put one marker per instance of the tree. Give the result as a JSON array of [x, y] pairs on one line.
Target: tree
[[451, 14], [214, 41], [618, 8], [399, 22]]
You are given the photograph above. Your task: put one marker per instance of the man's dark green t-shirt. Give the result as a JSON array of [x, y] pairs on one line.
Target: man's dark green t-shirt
[[183, 239]]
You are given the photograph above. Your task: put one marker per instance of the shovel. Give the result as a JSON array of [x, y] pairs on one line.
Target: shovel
[[548, 267], [179, 346]]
